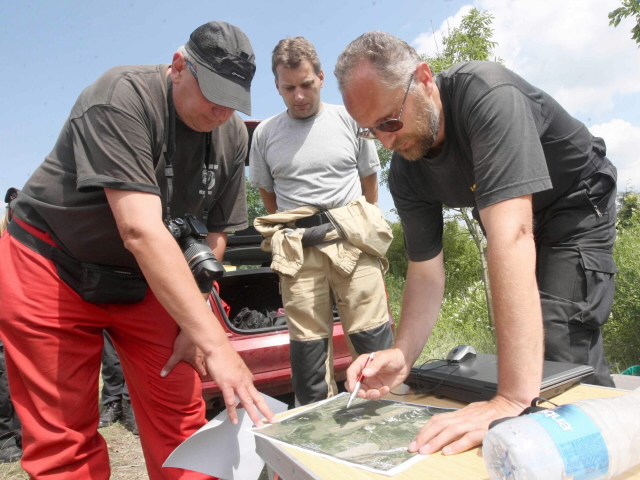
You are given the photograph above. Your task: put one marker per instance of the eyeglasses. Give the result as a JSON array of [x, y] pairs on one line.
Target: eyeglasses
[[192, 70], [388, 126]]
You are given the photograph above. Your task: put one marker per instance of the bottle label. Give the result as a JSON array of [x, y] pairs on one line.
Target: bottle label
[[578, 439]]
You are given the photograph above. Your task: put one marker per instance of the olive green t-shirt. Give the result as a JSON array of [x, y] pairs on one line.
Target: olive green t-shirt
[[114, 138]]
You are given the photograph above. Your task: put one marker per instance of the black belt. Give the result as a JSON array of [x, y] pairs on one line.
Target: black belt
[[313, 221]]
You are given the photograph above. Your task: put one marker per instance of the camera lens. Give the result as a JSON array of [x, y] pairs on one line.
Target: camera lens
[[202, 262]]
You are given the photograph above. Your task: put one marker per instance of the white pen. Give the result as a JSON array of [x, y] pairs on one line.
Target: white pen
[[357, 389]]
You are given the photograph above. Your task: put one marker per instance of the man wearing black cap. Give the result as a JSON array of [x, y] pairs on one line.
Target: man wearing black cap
[[143, 146]]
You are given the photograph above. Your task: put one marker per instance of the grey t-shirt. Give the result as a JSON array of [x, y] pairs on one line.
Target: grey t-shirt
[[315, 161], [504, 138], [114, 138]]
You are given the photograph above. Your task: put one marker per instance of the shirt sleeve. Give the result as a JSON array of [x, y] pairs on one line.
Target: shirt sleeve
[[259, 171], [508, 158], [113, 149], [368, 160]]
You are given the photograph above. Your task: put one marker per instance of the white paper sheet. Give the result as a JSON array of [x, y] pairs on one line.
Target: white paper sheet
[[222, 449]]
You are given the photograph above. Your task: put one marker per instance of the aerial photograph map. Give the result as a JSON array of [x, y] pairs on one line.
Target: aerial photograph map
[[370, 435]]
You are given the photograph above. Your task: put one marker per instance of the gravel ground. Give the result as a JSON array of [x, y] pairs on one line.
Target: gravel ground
[[125, 452]]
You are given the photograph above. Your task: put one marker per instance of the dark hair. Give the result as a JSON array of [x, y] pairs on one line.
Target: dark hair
[[291, 51]]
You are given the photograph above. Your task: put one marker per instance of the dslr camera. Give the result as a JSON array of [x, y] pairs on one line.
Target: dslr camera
[[191, 235]]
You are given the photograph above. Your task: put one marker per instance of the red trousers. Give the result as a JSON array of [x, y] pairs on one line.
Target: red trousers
[[53, 341]]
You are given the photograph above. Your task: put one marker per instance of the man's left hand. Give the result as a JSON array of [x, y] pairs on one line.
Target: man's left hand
[[459, 431], [184, 350]]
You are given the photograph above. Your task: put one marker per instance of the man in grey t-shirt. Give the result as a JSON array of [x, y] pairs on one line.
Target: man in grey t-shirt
[[91, 217], [480, 136], [309, 155]]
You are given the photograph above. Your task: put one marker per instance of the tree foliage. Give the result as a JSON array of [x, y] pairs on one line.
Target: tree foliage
[[255, 207], [396, 254], [621, 333], [385, 161], [461, 261], [629, 8], [471, 40], [629, 209]]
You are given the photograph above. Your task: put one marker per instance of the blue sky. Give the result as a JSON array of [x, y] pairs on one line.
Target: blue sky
[[52, 50]]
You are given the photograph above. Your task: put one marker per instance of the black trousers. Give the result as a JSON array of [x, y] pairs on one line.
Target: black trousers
[[575, 270], [113, 385], [10, 427]]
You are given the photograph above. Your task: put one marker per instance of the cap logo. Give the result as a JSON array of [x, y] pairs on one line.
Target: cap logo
[[238, 75]]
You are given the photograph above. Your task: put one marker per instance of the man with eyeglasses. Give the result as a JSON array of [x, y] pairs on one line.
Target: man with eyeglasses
[[87, 250], [478, 135], [308, 159]]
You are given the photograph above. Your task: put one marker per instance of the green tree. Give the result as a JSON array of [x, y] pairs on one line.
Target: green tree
[[385, 160], [255, 207], [461, 261], [629, 8], [471, 40], [629, 210], [396, 254], [621, 335]]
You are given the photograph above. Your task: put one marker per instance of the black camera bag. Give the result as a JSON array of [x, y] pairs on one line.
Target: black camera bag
[[94, 283]]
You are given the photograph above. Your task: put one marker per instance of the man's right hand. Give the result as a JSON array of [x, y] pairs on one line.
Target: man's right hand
[[387, 370], [236, 383]]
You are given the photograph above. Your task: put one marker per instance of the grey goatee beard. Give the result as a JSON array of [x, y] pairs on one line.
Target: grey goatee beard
[[427, 126]]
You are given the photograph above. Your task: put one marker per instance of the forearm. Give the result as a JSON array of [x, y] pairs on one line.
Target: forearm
[[139, 220], [518, 319], [172, 282], [516, 300], [370, 188], [421, 304], [269, 200], [218, 243]]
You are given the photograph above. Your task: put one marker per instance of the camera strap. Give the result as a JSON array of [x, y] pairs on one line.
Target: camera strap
[[170, 152]]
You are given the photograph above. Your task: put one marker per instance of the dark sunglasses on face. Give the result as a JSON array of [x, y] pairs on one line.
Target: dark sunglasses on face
[[388, 126]]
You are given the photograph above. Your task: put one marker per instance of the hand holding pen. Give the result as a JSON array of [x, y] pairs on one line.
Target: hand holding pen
[[360, 378]]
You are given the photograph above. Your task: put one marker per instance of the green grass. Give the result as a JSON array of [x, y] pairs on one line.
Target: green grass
[[463, 320]]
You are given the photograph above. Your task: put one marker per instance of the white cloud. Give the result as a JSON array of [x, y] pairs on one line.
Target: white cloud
[[566, 48], [623, 149], [425, 43]]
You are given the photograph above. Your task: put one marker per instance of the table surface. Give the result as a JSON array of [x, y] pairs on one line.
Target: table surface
[[293, 464]]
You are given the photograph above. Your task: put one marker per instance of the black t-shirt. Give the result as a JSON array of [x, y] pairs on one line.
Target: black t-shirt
[[114, 138], [504, 138]]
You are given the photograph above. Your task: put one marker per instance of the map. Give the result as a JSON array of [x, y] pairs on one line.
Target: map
[[370, 435]]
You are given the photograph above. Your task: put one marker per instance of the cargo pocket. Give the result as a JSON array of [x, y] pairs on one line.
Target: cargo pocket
[[557, 312], [599, 286]]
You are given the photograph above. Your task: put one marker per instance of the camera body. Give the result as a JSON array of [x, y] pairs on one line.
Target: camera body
[[191, 235]]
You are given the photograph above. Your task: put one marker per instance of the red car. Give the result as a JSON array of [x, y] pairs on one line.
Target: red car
[[265, 350]]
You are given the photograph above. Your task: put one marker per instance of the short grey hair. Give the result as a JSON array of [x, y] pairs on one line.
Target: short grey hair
[[392, 58]]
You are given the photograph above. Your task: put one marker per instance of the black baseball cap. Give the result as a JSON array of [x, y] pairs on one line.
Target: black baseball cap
[[226, 64]]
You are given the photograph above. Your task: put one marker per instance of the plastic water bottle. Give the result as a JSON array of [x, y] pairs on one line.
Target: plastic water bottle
[[586, 440]]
